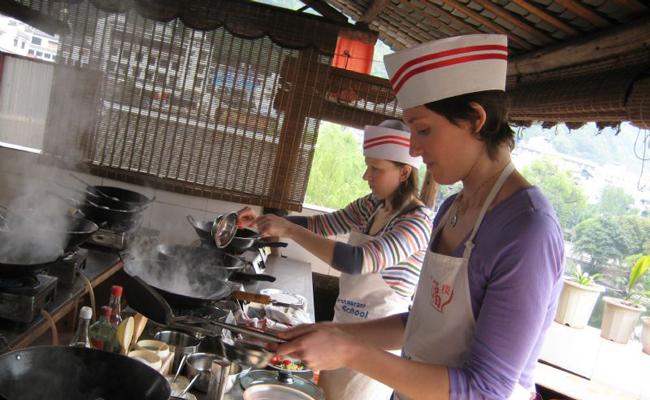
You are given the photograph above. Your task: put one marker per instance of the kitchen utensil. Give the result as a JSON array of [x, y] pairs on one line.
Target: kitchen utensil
[[224, 229], [147, 357], [262, 299], [206, 325], [189, 385], [198, 365], [219, 372], [247, 354], [139, 323], [308, 389], [180, 343], [125, 334], [74, 373], [97, 191], [156, 346]]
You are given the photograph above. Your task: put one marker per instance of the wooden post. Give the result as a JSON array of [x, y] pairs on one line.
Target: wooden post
[[429, 190]]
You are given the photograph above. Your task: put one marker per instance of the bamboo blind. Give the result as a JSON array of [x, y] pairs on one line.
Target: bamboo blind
[[195, 111]]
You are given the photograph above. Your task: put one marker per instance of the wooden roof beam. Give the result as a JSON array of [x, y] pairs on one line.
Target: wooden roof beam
[[436, 23], [326, 10], [613, 42], [546, 17], [375, 8], [499, 11], [584, 12], [494, 27], [633, 5]]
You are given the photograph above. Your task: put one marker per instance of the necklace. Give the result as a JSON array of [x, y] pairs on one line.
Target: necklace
[[460, 209]]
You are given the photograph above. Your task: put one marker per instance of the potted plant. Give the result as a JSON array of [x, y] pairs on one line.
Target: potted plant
[[621, 315], [578, 298]]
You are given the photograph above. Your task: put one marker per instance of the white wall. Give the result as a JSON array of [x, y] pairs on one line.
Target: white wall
[[167, 214]]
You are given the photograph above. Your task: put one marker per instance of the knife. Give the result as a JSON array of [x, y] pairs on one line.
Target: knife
[[262, 299]]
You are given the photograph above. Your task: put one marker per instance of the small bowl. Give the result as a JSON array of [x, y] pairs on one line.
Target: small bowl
[[156, 346], [247, 354], [147, 357]]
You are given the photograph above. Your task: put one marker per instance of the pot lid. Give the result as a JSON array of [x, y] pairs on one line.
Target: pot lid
[[275, 378]]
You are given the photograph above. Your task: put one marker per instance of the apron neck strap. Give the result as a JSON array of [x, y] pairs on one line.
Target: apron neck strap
[[507, 171]]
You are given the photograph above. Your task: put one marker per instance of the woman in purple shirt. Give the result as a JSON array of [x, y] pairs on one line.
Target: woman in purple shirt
[[490, 280]]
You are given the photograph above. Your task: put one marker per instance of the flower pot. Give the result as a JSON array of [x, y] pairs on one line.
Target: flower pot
[[645, 334], [619, 319], [576, 303]]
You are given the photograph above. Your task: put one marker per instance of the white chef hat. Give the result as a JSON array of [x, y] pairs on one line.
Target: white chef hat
[[448, 67], [390, 144]]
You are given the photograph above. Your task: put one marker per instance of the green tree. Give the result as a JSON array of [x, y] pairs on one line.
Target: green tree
[[615, 201], [568, 199], [337, 169], [602, 239]]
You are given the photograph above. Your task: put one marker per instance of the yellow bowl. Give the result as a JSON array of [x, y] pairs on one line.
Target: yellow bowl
[[147, 357], [156, 346]]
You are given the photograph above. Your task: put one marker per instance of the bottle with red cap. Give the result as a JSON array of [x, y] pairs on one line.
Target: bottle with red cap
[[115, 303], [103, 335]]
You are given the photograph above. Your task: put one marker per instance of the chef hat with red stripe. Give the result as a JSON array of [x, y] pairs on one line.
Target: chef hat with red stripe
[[448, 67], [388, 144]]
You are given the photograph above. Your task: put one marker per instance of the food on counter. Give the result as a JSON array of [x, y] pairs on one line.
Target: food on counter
[[288, 364]]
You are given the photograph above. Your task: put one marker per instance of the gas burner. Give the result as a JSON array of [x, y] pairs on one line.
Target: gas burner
[[16, 283], [23, 304], [67, 268]]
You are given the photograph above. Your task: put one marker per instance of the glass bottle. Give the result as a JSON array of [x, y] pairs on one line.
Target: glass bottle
[[103, 335], [81, 337], [115, 303]]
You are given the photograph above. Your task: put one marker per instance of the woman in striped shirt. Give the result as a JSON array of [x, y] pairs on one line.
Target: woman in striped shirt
[[380, 264]]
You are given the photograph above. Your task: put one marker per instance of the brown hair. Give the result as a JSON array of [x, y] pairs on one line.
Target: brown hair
[[495, 131], [407, 189]]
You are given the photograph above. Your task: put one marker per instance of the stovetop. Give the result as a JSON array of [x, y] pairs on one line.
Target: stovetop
[[22, 297]]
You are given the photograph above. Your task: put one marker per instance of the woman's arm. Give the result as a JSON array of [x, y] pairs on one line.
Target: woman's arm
[[331, 346]]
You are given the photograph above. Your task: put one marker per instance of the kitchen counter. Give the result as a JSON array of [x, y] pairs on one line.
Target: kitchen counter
[[100, 265]]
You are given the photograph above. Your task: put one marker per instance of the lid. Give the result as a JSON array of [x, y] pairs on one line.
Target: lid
[[224, 229], [274, 392], [86, 312], [106, 311], [116, 291], [277, 378]]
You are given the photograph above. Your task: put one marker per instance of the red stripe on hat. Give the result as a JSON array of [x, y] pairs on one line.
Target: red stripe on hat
[[369, 141], [446, 63], [440, 54], [369, 146]]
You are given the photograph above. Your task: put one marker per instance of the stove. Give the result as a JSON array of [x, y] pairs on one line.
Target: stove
[[112, 239], [23, 297], [257, 258], [68, 267]]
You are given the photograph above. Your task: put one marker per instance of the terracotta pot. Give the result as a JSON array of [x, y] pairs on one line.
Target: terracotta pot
[[645, 334], [576, 303], [619, 319]]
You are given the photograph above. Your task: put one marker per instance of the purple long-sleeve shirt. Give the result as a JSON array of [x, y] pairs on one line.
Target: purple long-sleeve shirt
[[515, 274]]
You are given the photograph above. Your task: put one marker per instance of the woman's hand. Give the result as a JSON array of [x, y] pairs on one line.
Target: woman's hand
[[321, 346], [272, 225], [246, 217]]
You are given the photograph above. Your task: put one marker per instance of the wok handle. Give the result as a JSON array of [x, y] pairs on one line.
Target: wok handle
[[241, 276], [273, 244], [252, 297], [191, 220]]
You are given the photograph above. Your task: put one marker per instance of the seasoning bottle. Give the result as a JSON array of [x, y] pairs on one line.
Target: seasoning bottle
[[103, 335], [81, 338], [115, 303]]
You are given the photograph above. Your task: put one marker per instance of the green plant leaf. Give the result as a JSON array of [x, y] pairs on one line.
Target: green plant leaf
[[639, 269]]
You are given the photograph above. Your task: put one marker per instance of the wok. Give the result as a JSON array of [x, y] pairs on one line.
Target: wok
[[15, 265], [71, 373], [126, 199], [244, 239], [212, 261]]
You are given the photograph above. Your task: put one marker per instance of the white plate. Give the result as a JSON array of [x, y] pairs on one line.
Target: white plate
[[284, 297]]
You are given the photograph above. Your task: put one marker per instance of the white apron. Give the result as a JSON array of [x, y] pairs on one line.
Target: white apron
[[362, 297], [441, 323]]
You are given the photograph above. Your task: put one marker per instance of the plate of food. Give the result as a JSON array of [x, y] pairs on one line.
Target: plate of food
[[288, 364]]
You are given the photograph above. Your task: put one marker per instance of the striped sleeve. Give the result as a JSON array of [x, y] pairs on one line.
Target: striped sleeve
[[405, 237], [354, 216]]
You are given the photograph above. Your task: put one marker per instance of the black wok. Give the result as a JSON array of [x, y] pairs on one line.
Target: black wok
[[217, 263], [245, 239], [118, 198], [14, 266], [120, 220], [71, 373], [79, 229], [179, 286]]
